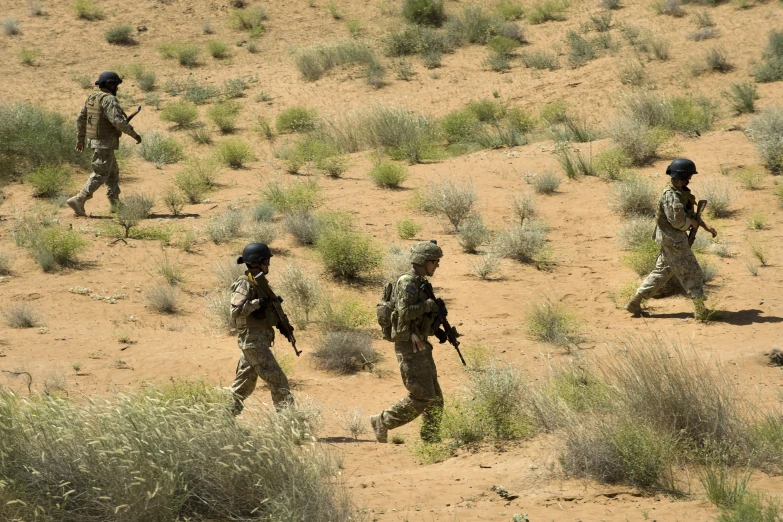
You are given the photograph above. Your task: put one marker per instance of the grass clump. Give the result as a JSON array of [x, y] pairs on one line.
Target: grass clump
[[302, 290], [547, 11], [424, 12], [174, 201], [186, 54], [6, 262], [49, 181], [407, 229], [635, 232], [771, 67], [765, 130], [546, 183], [452, 200], [224, 115], [218, 50], [472, 234], [11, 27], [347, 254], [540, 60], [611, 164], [302, 196], [160, 149], [719, 197], [234, 153], [197, 179], [387, 174], [51, 246], [296, 119], [163, 299], [750, 178], [718, 60], [669, 7], [637, 140], [524, 243], [524, 207], [314, 62], [580, 51], [133, 209], [251, 20], [404, 134], [304, 226], [742, 97], [225, 226], [182, 113], [120, 35], [642, 257], [552, 323], [87, 10], [345, 352], [21, 315], [634, 196]]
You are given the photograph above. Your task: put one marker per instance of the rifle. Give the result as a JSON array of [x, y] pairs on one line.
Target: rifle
[[443, 330], [133, 114], [699, 209], [284, 326]]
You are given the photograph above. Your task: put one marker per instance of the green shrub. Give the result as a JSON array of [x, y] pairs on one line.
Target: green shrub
[[718, 60], [765, 130], [299, 197], [669, 7], [476, 26], [186, 54], [183, 113], [302, 290], [249, 20], [719, 197], [635, 196], [218, 49], [637, 140], [28, 56], [509, 10], [424, 12], [472, 234], [611, 164], [304, 226], [235, 153], [49, 181], [642, 258], [234, 88], [347, 254], [53, 247], [160, 149], [771, 67], [574, 162], [348, 315], [201, 135], [601, 22], [407, 229], [742, 97], [524, 243], [120, 35], [387, 174], [580, 51], [146, 81], [503, 45], [374, 74], [750, 178], [540, 60], [224, 115], [200, 94], [87, 10], [545, 183], [346, 352], [225, 226], [552, 323], [546, 11], [498, 62], [405, 134], [132, 210], [296, 119]]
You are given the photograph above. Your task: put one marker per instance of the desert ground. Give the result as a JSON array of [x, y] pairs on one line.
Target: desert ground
[[585, 272]]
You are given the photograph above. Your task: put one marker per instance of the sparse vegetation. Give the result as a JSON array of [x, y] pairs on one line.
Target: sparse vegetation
[[11, 27], [635, 232], [742, 97], [524, 243], [224, 115], [160, 149], [388, 174], [407, 229], [354, 422], [580, 51], [296, 119], [757, 220], [750, 178], [719, 196], [540, 60], [303, 196], [302, 290], [345, 352], [225, 226], [51, 246], [183, 113], [642, 257], [766, 132], [544, 183], [49, 181], [21, 315], [669, 7], [346, 253], [452, 200], [771, 67], [472, 234], [552, 323], [120, 35], [235, 153], [132, 210], [29, 56], [546, 11], [718, 60], [251, 20], [218, 305], [634, 196], [87, 10], [218, 49], [234, 88], [424, 12], [304, 226], [163, 299], [524, 207], [186, 54]]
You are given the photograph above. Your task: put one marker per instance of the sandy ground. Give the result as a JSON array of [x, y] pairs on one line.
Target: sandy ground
[[388, 480]]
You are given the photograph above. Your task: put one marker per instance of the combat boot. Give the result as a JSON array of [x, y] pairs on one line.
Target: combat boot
[[635, 305], [114, 204], [700, 311], [77, 204], [381, 433]]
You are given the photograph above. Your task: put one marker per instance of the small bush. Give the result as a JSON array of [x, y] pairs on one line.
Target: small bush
[[163, 298], [346, 352], [49, 181], [87, 10], [262, 232], [200, 94], [51, 246], [524, 243], [217, 49], [546, 183], [669, 7], [183, 113], [11, 27], [224, 115], [633, 73], [637, 140], [552, 323], [486, 265], [742, 97], [347, 254], [719, 198], [197, 179], [611, 164], [635, 232], [374, 74], [395, 263], [304, 226], [120, 35], [472, 234], [524, 207], [225, 226], [540, 60], [424, 12], [174, 201], [133, 209], [407, 229], [642, 258], [302, 291], [218, 306], [718, 60], [387, 174], [546, 11], [635, 196], [186, 54], [348, 315], [296, 119], [6, 262], [498, 62], [160, 149], [234, 88], [28, 56], [574, 163], [580, 51], [757, 220], [297, 197], [201, 135], [21, 315], [766, 132], [249, 20], [771, 67], [461, 126], [750, 178], [601, 22], [314, 62], [503, 45], [235, 153]]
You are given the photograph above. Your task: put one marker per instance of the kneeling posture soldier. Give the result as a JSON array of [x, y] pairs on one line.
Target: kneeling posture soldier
[[675, 216], [256, 318], [412, 322]]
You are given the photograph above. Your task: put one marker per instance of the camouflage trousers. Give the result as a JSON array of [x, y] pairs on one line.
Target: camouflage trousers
[[424, 398], [104, 170], [674, 260], [257, 361]]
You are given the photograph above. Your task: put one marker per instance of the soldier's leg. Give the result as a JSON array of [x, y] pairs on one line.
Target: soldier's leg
[[651, 284], [244, 383], [113, 181], [269, 370], [432, 414], [688, 272], [102, 160]]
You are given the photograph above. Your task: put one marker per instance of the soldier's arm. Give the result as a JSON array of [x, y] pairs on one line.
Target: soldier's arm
[[113, 112], [241, 304], [81, 124], [675, 212], [406, 297]]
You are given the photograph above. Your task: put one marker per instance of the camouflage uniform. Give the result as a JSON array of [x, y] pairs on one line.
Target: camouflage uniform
[[418, 371], [104, 120], [673, 219], [255, 322]]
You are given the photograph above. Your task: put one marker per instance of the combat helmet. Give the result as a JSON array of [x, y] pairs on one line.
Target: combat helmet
[[681, 168], [108, 77], [254, 254], [424, 251]]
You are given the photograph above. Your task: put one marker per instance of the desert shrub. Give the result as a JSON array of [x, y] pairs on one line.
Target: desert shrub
[[186, 54], [6, 262], [461, 126], [387, 174], [472, 234], [573, 162], [21, 315], [29, 56], [546, 11], [217, 49], [302, 291], [174, 201], [546, 183], [424, 12], [120, 35], [225, 226], [524, 207], [552, 323], [634, 196], [160, 149], [374, 74], [524, 243], [498, 62], [132, 210], [705, 33], [218, 305], [346, 316], [771, 67], [611, 164], [345, 352], [742, 97], [201, 94], [224, 115], [146, 81], [304, 226], [251, 20], [642, 257], [757, 220], [197, 179], [234, 88], [296, 119], [766, 132], [87, 10], [235, 153], [601, 22], [11, 27], [227, 272], [718, 60], [778, 193], [491, 408], [509, 10], [50, 246], [181, 112], [637, 140], [486, 110], [503, 45], [750, 178], [475, 26], [301, 196], [395, 263], [669, 7], [580, 51], [540, 60], [635, 232], [407, 229], [262, 232], [346, 253], [719, 197], [49, 180], [611, 4], [201, 135], [451, 199], [332, 166], [633, 73]]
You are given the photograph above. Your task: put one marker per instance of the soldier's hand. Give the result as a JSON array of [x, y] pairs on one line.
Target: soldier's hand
[[694, 223], [711, 230], [80, 146], [418, 344], [255, 304], [137, 137], [431, 305]]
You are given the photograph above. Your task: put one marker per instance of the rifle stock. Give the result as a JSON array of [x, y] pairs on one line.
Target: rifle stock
[[699, 209], [284, 326]]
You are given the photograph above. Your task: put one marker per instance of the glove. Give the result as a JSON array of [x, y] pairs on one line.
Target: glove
[[137, 137], [431, 305]]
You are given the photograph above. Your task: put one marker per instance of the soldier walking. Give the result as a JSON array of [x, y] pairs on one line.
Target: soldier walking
[[412, 323], [255, 319], [676, 214], [102, 122]]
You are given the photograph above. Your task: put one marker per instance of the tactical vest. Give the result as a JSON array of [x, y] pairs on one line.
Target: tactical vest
[[98, 125], [263, 318], [685, 198], [421, 326]]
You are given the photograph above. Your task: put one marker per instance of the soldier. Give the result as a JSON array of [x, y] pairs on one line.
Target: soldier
[[674, 217], [412, 323], [102, 121], [255, 319]]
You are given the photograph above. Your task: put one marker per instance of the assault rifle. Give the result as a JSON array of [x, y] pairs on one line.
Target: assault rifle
[[284, 326], [699, 209], [443, 330], [133, 114]]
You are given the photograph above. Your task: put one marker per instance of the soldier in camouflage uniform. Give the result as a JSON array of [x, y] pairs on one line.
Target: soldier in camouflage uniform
[[412, 321], [675, 216], [102, 122], [255, 319]]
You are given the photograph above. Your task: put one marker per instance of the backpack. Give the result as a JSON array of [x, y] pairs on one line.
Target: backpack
[[385, 312]]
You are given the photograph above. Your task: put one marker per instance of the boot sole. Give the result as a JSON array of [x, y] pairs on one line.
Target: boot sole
[[76, 209]]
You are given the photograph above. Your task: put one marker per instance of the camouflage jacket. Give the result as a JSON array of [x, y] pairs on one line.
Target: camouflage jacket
[[673, 216], [248, 315], [116, 116], [411, 307]]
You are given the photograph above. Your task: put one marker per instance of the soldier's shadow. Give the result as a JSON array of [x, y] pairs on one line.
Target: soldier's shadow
[[335, 440], [738, 318]]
